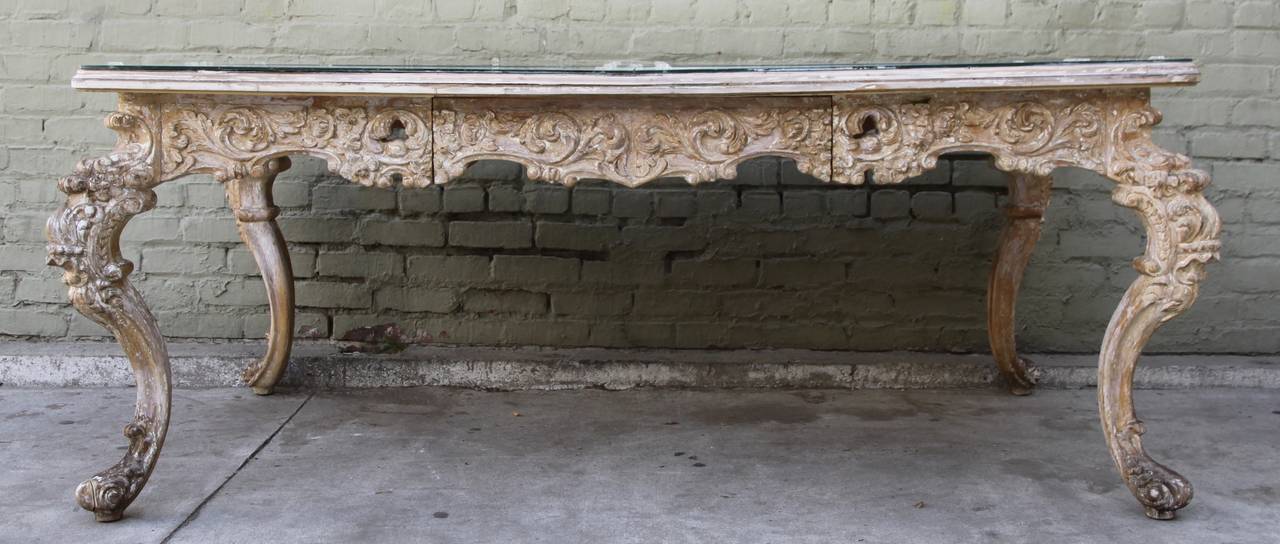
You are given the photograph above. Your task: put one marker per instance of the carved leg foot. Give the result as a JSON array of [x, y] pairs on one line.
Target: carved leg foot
[[84, 239], [250, 198], [109, 492], [1028, 197], [1160, 490], [1182, 235]]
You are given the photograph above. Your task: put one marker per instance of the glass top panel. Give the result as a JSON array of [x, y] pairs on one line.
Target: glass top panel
[[609, 68]]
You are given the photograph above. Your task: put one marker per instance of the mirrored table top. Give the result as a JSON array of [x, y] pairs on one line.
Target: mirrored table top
[[619, 68]]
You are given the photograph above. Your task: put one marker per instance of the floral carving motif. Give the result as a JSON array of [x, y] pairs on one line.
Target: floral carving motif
[[367, 141], [634, 141], [900, 137], [1182, 227], [102, 195], [882, 138], [1105, 131], [888, 139], [1182, 236]]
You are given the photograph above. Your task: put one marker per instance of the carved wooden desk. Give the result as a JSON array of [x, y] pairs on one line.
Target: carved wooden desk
[[842, 124]]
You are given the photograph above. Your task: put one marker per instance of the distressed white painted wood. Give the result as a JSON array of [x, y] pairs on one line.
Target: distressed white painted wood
[[464, 83], [417, 128]]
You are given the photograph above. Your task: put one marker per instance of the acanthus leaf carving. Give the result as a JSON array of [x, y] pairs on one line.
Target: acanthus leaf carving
[[103, 194], [1106, 131], [84, 240], [888, 139], [878, 137], [631, 142], [895, 138], [370, 142], [1183, 228]]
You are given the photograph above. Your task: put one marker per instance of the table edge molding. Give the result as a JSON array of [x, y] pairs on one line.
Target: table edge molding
[[1043, 76]]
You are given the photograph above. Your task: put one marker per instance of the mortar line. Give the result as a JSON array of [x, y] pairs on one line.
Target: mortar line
[[196, 511]]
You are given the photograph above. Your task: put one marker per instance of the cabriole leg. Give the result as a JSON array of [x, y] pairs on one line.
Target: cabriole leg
[[1028, 197], [84, 239], [1182, 235], [250, 198]]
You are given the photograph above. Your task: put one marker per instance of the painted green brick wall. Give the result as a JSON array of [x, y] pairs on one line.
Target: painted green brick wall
[[772, 259]]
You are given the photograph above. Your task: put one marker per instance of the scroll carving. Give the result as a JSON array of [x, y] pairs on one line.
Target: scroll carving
[[103, 194], [84, 239], [888, 139], [895, 138], [850, 138], [1183, 232], [1108, 132], [369, 141], [1182, 227], [632, 141]]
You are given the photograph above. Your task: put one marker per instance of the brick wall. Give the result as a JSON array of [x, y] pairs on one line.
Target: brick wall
[[773, 258]]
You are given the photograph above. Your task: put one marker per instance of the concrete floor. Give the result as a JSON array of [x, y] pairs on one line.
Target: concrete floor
[[446, 465]]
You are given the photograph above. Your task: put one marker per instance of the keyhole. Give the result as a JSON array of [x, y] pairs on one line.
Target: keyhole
[[867, 128], [396, 132], [395, 139]]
